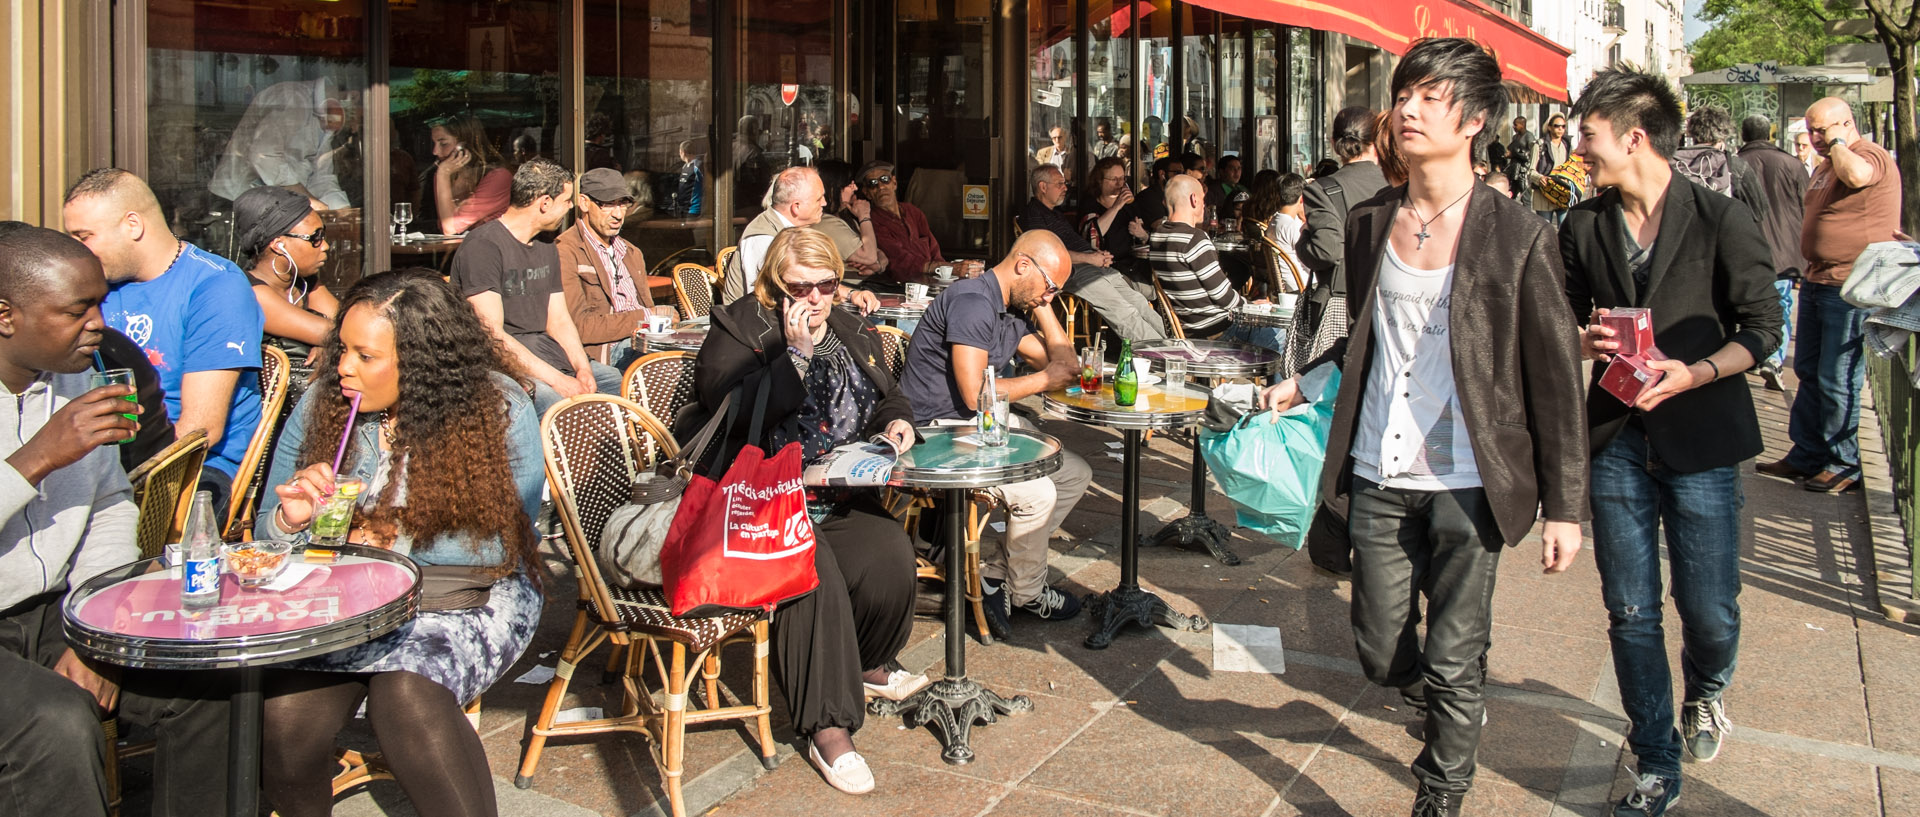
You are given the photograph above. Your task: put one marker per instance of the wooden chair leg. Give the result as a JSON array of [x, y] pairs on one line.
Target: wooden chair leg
[[710, 674], [110, 726], [976, 523], [612, 671], [769, 757], [556, 693], [673, 742]]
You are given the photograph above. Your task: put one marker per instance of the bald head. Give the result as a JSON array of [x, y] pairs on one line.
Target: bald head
[[1831, 106], [1031, 285], [1829, 120], [1186, 199], [115, 214]]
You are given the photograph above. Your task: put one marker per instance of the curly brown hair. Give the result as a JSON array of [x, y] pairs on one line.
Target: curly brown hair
[[450, 420]]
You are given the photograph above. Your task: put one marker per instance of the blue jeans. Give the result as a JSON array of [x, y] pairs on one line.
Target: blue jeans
[[1634, 497], [1779, 356], [1827, 357], [1265, 337], [606, 380]]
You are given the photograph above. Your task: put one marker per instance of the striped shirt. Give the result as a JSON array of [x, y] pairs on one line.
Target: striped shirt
[[1184, 260]]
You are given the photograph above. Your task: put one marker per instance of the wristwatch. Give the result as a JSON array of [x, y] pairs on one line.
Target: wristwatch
[[1834, 143]]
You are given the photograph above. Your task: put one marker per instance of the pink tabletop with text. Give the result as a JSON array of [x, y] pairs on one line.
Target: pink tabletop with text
[[148, 606]]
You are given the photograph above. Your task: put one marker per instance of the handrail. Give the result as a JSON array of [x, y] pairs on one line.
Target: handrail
[[1893, 402]]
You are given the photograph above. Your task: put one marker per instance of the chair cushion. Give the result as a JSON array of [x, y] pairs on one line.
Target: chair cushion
[[647, 611]]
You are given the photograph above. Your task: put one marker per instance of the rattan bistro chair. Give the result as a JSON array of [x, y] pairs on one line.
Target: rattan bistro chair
[[661, 383], [693, 286], [163, 488], [595, 446], [275, 376], [1169, 319], [893, 346]]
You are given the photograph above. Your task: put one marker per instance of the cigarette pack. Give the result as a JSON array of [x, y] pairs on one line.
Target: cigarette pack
[[1632, 329], [1629, 376]]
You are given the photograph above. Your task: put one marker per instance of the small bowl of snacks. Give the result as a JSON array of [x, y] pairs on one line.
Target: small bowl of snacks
[[256, 563]]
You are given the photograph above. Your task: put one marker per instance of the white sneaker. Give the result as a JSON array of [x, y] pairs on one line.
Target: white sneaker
[[900, 684], [849, 773]]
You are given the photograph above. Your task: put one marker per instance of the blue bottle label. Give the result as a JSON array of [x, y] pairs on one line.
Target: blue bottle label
[[202, 576]]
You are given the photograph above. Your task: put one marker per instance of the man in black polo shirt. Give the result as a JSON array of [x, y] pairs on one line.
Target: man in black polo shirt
[[984, 322], [1094, 279]]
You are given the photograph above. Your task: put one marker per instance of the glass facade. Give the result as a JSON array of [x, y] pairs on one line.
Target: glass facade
[[431, 104]]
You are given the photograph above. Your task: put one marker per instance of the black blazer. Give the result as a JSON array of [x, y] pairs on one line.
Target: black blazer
[[1711, 284], [1323, 240], [746, 345], [1516, 366]]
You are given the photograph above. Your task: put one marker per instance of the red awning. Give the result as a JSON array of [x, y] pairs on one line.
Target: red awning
[[1525, 56]]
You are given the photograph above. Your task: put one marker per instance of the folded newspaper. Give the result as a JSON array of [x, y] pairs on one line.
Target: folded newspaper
[[855, 465]]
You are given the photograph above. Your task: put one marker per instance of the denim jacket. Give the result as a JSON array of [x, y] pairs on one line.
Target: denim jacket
[[523, 444]]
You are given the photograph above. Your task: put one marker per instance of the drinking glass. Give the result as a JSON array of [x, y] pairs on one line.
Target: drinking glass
[[402, 216], [118, 377], [1176, 376], [1090, 370]]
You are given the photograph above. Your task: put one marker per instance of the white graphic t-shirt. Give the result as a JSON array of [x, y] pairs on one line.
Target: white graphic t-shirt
[[1412, 435]]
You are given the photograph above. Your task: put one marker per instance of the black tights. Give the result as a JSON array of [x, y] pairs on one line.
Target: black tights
[[427, 740]]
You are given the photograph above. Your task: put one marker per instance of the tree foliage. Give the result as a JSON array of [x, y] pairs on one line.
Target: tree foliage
[[1785, 31]]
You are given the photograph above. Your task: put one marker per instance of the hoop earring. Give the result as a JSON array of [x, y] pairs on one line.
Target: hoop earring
[[293, 272]]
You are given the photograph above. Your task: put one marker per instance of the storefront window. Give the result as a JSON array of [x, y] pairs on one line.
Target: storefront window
[[649, 103], [1156, 87], [1307, 136], [1050, 121], [783, 46], [1266, 118], [1233, 86], [944, 101], [1109, 82], [270, 97], [475, 93], [1201, 103]]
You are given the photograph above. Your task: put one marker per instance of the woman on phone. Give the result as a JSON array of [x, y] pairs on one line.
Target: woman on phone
[[447, 446], [830, 387], [470, 182], [283, 244]]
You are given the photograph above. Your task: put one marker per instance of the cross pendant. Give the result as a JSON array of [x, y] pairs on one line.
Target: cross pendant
[[1423, 236]]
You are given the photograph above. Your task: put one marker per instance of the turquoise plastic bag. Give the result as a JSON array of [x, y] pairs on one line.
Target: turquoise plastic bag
[[1269, 467]]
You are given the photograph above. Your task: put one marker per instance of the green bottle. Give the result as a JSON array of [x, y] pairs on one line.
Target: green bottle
[[1126, 382]]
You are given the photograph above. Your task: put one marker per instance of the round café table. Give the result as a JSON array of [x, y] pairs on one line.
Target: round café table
[[131, 616], [1269, 317], [895, 308], [1211, 360], [1154, 409], [950, 460], [685, 337]]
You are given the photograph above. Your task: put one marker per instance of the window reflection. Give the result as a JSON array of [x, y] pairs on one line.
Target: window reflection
[[783, 44]]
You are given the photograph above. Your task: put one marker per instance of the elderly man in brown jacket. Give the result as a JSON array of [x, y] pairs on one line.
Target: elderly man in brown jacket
[[603, 275]]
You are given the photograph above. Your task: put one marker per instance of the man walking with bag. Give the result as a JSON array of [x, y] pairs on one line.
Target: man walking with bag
[[1669, 463], [1446, 467]]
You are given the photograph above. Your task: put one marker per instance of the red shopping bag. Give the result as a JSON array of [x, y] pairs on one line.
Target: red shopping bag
[[744, 542]]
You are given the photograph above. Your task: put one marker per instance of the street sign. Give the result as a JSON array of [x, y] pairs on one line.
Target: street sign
[[973, 202], [789, 93]]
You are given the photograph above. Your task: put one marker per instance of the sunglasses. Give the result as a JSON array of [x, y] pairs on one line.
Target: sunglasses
[[316, 238], [805, 288], [878, 180]]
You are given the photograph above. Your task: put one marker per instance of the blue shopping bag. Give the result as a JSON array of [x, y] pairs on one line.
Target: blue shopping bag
[[1269, 467]]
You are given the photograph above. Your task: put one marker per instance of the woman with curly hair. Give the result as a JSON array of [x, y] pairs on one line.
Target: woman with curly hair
[[447, 446], [470, 183]]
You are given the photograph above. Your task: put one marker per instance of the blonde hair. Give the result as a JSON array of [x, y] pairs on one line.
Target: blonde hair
[[795, 247]]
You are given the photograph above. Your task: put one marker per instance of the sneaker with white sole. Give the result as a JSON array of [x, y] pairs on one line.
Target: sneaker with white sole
[[1703, 725], [1052, 605], [998, 605], [1652, 795], [900, 684], [848, 773]]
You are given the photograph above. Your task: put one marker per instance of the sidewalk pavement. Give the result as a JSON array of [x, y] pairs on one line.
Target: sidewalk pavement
[[1826, 722]]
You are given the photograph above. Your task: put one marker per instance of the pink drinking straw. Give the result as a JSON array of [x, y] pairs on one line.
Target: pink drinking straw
[[352, 412]]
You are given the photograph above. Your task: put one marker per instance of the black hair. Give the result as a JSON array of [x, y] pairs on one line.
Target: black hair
[[1191, 160], [1325, 167], [1231, 157], [30, 256], [834, 176], [1628, 99], [1352, 132], [539, 177], [1756, 128], [1468, 68], [1161, 164], [1292, 187]]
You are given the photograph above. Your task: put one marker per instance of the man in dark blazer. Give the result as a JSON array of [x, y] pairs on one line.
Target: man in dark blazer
[[1670, 461], [1785, 180], [1458, 414]]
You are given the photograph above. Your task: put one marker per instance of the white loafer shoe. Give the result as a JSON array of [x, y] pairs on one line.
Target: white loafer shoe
[[848, 774], [900, 684]]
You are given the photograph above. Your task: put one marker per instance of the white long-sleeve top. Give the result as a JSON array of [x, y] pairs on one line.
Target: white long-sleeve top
[[281, 141], [78, 522]]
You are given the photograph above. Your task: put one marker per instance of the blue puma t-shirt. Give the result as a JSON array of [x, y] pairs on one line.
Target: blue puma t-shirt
[[199, 316]]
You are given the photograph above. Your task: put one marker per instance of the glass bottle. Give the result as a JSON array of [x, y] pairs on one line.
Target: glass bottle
[[200, 550], [1126, 381], [992, 416]]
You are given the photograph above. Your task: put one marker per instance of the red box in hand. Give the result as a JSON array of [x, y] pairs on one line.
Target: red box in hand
[[1629, 376], [1632, 329]]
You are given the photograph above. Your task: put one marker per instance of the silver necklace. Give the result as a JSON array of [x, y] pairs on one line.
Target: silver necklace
[[1423, 235]]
